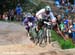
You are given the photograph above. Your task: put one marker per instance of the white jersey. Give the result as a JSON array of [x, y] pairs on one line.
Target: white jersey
[[41, 14]]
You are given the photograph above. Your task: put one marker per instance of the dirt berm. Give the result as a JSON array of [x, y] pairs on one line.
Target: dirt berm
[[15, 41]]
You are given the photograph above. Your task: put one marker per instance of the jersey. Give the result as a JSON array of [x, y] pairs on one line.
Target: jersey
[[66, 22], [18, 10], [62, 26], [41, 15]]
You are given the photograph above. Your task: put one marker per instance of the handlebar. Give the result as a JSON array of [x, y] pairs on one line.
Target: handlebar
[[48, 23]]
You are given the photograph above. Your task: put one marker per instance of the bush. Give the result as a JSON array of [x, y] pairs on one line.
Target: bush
[[30, 7], [64, 44]]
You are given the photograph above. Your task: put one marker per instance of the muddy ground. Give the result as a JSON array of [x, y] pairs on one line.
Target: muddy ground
[[15, 41]]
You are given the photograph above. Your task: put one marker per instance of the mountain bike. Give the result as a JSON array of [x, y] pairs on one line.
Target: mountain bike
[[45, 36]]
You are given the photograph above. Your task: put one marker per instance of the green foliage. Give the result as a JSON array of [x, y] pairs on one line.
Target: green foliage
[[40, 6], [30, 7], [65, 44]]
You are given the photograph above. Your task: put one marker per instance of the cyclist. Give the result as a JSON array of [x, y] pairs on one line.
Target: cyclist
[[45, 13], [29, 21]]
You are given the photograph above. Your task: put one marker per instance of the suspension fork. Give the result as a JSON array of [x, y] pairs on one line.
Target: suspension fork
[[48, 33]]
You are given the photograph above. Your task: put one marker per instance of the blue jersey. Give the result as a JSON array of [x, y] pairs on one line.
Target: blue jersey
[[29, 19], [32, 19], [18, 10], [66, 22]]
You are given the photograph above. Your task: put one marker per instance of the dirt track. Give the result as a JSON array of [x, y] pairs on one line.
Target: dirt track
[[11, 33], [15, 41]]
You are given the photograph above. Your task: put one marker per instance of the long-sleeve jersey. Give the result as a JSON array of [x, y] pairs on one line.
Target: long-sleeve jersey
[[41, 14]]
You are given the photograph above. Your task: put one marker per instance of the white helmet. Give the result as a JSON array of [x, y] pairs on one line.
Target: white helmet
[[28, 15], [48, 8]]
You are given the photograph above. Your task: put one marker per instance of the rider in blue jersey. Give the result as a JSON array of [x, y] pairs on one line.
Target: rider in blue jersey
[[29, 20]]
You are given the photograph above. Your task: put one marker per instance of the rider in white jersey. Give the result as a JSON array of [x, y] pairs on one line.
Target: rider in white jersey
[[45, 13]]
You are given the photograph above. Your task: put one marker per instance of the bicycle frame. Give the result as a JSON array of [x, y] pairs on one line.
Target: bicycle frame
[[47, 29], [46, 34]]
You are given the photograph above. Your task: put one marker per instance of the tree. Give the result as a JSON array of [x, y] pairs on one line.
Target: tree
[[28, 5]]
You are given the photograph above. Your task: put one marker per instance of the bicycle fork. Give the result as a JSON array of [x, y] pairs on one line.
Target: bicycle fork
[[48, 33]]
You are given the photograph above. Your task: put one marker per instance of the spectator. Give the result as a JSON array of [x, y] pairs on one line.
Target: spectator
[[24, 16], [70, 28], [73, 9], [57, 3], [66, 21], [5, 16], [63, 2], [0, 16], [73, 31], [59, 19], [62, 15], [11, 15], [68, 3], [62, 26], [66, 32], [66, 11], [19, 12]]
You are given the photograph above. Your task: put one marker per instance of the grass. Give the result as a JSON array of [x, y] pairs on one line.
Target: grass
[[65, 44]]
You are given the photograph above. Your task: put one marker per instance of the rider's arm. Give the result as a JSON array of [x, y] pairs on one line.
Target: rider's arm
[[25, 21], [39, 13], [53, 18]]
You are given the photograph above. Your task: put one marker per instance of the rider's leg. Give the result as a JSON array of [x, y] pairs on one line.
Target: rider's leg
[[37, 39], [45, 36], [27, 28], [41, 36]]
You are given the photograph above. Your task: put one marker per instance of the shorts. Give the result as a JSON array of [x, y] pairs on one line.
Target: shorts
[[19, 14]]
